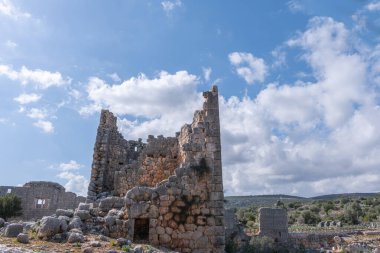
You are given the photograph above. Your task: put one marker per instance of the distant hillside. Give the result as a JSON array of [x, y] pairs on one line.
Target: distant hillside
[[260, 200], [270, 200], [345, 195]]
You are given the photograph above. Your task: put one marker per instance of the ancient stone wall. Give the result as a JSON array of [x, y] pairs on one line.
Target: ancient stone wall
[[157, 161], [234, 229], [173, 186], [112, 154], [185, 212], [39, 199], [274, 223]]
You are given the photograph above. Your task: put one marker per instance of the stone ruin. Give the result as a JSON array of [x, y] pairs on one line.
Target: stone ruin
[[41, 198], [234, 230], [168, 191], [274, 223]]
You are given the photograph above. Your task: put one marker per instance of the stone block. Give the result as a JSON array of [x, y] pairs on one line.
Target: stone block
[[13, 229]]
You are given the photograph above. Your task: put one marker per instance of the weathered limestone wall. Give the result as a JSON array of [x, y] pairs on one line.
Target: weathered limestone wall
[[111, 153], [274, 223], [39, 199], [118, 164], [173, 186], [157, 161], [186, 211]]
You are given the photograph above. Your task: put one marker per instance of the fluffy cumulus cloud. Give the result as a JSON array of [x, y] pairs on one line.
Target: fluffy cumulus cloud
[[43, 79], [249, 67], [8, 9], [25, 98], [75, 182], [308, 138], [158, 105]]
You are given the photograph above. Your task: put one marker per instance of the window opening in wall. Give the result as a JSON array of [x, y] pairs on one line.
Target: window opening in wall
[[135, 149], [9, 190], [41, 203], [141, 231]]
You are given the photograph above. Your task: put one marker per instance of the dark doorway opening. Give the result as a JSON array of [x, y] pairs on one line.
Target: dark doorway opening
[[141, 231]]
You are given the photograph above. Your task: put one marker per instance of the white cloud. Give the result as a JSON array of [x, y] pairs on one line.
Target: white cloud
[[42, 78], [206, 73], [69, 171], [75, 183], [373, 6], [3, 120], [279, 56], [249, 67], [25, 98], [45, 125], [8, 9], [36, 113], [10, 44], [163, 103], [169, 6], [313, 138], [76, 94], [295, 6], [71, 165], [115, 77]]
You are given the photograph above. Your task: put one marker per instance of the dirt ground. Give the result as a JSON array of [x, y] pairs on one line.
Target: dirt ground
[[36, 245]]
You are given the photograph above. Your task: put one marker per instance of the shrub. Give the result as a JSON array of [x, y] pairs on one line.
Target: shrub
[[262, 244], [352, 212], [310, 218], [328, 206], [10, 206], [315, 209]]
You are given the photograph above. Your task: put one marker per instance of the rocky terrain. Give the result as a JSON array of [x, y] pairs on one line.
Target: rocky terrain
[[91, 243]]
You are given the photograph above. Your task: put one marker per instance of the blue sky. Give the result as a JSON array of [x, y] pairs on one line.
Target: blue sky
[[298, 80]]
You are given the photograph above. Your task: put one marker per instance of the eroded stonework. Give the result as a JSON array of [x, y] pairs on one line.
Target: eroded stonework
[[274, 223], [41, 198], [172, 186]]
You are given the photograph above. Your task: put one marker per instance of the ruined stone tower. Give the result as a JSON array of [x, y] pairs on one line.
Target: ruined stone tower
[[172, 188]]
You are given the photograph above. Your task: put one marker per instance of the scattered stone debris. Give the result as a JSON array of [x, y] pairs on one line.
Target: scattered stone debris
[[23, 238]]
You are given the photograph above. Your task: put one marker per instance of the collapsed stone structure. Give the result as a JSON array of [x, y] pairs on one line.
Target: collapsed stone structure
[[40, 198], [169, 191], [273, 222], [234, 230]]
